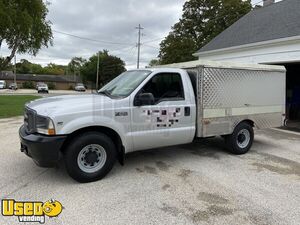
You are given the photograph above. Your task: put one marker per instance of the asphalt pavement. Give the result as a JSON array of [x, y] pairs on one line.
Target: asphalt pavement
[[198, 183]]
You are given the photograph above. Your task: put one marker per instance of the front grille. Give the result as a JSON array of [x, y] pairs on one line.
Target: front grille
[[29, 120]]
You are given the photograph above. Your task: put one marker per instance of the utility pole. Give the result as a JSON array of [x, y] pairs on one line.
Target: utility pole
[[139, 45], [97, 79], [15, 70]]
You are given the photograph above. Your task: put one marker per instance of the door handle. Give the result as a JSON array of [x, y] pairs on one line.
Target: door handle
[[187, 111]]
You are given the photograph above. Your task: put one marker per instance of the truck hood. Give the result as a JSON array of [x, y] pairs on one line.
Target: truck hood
[[69, 103]]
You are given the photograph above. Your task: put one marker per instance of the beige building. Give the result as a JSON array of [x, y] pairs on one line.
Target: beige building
[[61, 82]]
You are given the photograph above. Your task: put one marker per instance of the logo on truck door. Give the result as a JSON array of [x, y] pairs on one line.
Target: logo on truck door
[[121, 114], [163, 117]]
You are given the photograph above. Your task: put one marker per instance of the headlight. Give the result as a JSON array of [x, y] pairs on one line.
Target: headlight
[[45, 125]]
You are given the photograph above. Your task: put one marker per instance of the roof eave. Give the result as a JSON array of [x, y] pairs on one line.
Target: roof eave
[[248, 46]]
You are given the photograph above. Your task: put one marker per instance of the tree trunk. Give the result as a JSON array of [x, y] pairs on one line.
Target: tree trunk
[[7, 60]]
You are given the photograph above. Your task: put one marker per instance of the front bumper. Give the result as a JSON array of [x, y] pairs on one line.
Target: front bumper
[[79, 89], [43, 90], [44, 150]]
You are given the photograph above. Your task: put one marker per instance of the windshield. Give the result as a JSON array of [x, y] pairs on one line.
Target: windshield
[[127, 82]]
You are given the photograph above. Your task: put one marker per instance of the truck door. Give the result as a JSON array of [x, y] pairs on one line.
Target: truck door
[[167, 120]]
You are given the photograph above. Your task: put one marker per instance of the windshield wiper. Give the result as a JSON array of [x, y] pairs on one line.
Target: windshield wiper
[[106, 93]]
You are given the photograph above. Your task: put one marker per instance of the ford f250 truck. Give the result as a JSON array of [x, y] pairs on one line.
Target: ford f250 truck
[[152, 108]]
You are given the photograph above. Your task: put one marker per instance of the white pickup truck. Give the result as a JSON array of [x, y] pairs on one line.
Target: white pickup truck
[[151, 108]]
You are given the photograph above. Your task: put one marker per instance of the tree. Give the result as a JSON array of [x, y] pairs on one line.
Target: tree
[[24, 67], [109, 67], [37, 69], [75, 65], [154, 62], [177, 49], [8, 67], [202, 20], [24, 27], [54, 69]]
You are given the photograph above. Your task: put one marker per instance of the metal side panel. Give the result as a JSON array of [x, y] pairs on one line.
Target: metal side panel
[[200, 102], [226, 125], [198, 74], [230, 96], [236, 88]]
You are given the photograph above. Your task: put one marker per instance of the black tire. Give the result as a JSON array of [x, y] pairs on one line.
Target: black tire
[[76, 146], [241, 140]]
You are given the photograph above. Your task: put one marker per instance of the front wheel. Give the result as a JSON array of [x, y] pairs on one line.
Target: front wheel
[[90, 157], [241, 140]]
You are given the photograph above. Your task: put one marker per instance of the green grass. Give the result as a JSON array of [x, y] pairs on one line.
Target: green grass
[[13, 105]]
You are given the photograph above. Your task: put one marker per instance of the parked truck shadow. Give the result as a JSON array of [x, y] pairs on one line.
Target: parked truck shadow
[[212, 148], [205, 147]]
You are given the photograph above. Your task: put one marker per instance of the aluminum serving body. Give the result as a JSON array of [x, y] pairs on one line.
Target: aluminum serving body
[[228, 93], [227, 96]]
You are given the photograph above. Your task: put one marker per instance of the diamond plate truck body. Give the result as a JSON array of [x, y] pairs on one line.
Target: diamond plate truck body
[[227, 94]]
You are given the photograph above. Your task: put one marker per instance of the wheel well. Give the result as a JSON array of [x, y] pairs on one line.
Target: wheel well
[[250, 122], [105, 130]]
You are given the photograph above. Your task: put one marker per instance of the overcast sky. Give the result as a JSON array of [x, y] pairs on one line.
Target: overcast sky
[[112, 23]]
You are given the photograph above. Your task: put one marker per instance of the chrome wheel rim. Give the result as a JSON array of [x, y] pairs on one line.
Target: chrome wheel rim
[[243, 138], [91, 158]]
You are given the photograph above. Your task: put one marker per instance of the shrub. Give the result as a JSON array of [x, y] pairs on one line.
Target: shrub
[[28, 85], [71, 87], [51, 86]]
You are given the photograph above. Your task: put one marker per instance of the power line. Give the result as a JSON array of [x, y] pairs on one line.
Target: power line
[[151, 46], [126, 44], [90, 39], [127, 48], [132, 52], [157, 39], [145, 42]]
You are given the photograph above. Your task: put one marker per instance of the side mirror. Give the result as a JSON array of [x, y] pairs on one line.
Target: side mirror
[[144, 99]]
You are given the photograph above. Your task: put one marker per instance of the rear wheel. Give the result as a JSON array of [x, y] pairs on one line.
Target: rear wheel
[[90, 157], [241, 140]]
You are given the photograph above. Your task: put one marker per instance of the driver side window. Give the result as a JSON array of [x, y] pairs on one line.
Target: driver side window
[[165, 87]]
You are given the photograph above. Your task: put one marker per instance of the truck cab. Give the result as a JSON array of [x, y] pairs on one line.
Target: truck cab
[[163, 110], [138, 110]]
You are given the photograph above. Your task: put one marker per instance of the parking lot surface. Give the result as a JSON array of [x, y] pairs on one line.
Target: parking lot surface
[[198, 183]]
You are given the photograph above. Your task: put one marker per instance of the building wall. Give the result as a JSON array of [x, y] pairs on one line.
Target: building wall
[[271, 52], [58, 85], [64, 86], [285, 53]]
